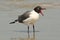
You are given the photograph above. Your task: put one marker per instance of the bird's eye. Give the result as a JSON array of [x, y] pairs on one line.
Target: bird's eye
[[38, 8]]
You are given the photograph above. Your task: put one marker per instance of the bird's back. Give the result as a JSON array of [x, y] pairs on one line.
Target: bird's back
[[23, 16]]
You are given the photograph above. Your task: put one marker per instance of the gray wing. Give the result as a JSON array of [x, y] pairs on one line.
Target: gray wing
[[23, 16]]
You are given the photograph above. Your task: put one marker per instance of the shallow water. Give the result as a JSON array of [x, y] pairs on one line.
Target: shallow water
[[47, 28]]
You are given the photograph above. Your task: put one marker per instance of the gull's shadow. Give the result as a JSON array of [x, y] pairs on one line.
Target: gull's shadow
[[24, 31], [29, 37]]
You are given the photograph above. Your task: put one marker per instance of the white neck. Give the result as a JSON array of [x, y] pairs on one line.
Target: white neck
[[33, 11]]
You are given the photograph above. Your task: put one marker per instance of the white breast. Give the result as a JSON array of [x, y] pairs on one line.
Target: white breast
[[33, 18], [34, 15]]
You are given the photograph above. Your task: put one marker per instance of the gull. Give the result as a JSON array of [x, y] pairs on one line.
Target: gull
[[29, 17]]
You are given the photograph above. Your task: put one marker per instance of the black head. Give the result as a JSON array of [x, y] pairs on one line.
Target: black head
[[38, 9]]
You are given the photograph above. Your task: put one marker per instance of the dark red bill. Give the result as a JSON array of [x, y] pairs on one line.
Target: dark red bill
[[42, 12]]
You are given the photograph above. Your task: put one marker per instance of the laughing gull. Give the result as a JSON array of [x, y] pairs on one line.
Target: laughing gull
[[30, 17]]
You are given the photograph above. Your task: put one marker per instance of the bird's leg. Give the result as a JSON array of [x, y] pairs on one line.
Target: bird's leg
[[28, 29], [28, 32], [33, 28]]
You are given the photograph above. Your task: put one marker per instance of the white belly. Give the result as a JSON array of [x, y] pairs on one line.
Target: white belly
[[32, 19]]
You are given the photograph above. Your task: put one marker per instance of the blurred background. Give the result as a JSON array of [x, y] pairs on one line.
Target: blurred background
[[47, 28]]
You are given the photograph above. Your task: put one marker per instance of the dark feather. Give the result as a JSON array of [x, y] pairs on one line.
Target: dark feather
[[23, 16], [13, 22]]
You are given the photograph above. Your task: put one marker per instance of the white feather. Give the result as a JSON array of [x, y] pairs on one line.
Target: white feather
[[33, 17]]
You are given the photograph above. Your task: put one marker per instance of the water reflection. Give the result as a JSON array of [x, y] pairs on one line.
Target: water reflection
[[29, 37]]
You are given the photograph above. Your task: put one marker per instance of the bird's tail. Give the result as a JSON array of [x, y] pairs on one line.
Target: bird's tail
[[13, 22]]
